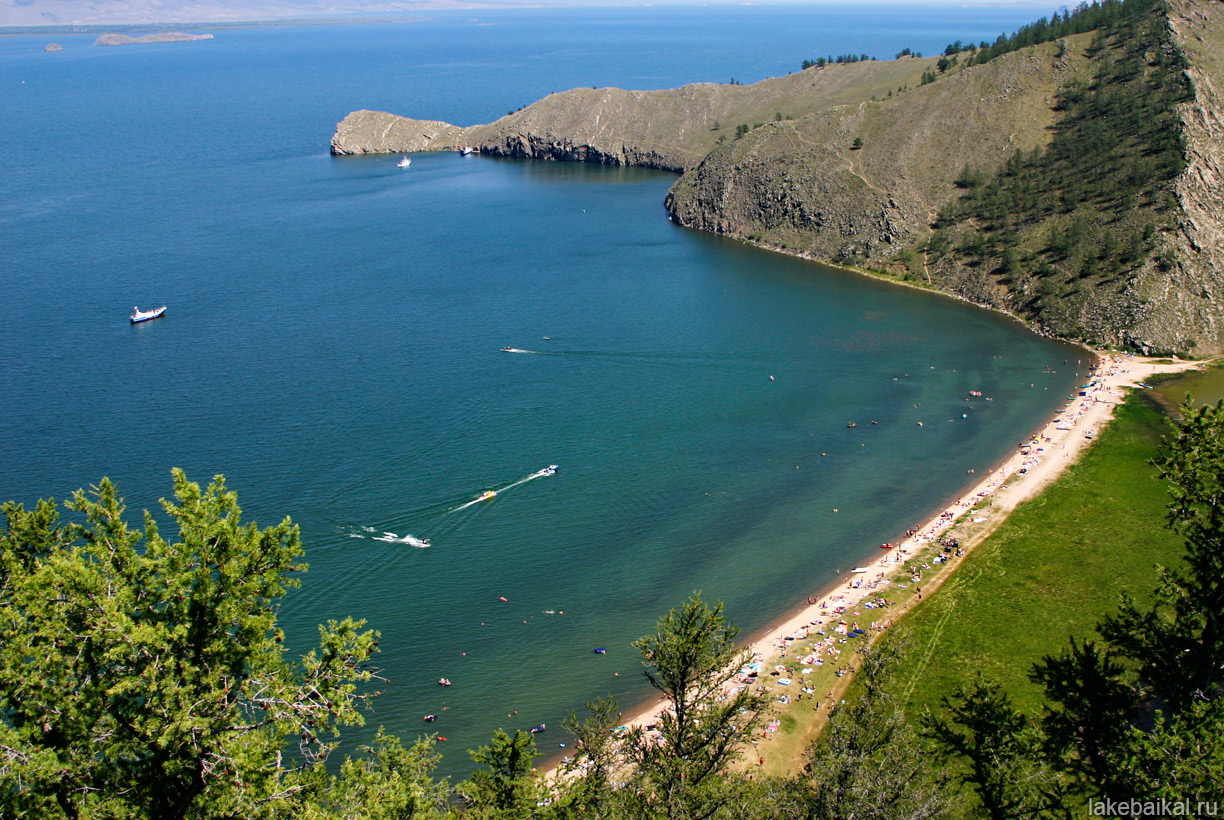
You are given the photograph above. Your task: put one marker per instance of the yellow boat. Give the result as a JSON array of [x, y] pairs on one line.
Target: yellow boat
[[488, 494]]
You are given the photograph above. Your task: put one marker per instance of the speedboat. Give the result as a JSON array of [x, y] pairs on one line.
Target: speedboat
[[550, 469], [139, 315], [405, 162], [488, 494], [467, 151]]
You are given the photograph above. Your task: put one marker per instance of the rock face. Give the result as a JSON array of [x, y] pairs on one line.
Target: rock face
[[852, 163], [603, 126], [53, 47], [1194, 290], [802, 186], [166, 37]]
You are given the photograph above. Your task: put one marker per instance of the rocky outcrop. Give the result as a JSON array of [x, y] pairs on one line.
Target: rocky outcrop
[[603, 126], [803, 185], [1193, 291], [673, 129], [377, 132], [852, 163], [162, 37]]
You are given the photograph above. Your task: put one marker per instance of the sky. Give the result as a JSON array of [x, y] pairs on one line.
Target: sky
[[99, 12]]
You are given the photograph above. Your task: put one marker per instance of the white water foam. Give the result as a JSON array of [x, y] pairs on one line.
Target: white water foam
[[537, 474]]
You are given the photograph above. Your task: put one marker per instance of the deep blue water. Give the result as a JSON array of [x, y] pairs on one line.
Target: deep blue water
[[333, 344]]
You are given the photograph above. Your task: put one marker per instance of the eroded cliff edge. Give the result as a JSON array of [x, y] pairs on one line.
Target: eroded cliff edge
[[982, 183]]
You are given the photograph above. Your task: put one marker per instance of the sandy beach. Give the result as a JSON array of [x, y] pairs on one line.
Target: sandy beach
[[1037, 462]]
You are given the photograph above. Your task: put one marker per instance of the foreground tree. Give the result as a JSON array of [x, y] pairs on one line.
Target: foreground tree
[[153, 682], [691, 658], [1140, 714], [868, 763], [507, 786], [1002, 749], [1087, 715], [1179, 641], [596, 760], [388, 781]]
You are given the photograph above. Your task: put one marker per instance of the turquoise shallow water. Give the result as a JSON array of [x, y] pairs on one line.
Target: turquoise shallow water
[[333, 346]]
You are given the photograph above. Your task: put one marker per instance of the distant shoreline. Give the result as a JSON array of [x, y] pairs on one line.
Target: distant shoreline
[[196, 25]]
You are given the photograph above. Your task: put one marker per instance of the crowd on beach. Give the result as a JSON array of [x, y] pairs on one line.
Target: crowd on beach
[[908, 561], [905, 563], [785, 664]]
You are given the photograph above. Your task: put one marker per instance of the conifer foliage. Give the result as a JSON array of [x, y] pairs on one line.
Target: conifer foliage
[[1069, 226], [152, 682]]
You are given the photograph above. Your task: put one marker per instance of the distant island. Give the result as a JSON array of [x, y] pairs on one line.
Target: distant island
[[1067, 174], [164, 37]]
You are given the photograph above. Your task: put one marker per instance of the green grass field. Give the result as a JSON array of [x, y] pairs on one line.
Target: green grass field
[[1052, 570]]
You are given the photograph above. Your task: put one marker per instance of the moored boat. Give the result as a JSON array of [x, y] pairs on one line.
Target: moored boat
[[405, 162], [139, 315]]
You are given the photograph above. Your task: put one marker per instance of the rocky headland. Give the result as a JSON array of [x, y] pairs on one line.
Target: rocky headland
[[1026, 183], [162, 37]]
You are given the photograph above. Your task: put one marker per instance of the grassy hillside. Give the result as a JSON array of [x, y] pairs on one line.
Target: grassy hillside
[[859, 182], [1052, 570], [1062, 233]]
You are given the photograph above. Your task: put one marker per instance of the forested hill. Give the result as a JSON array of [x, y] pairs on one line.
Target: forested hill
[[1070, 174]]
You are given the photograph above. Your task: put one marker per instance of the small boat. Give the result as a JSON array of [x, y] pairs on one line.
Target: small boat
[[467, 151], [405, 162], [507, 349], [488, 494], [139, 315], [549, 470]]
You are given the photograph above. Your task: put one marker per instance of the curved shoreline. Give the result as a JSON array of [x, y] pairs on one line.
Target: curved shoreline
[[1004, 487]]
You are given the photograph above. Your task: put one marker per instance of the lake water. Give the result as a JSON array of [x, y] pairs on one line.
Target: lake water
[[334, 334]]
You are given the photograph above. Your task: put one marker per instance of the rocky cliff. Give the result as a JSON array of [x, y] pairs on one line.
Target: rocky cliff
[[1194, 290], [859, 182], [926, 174]]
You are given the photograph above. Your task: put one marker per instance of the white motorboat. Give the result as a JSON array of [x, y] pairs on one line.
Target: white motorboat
[[139, 315], [405, 162]]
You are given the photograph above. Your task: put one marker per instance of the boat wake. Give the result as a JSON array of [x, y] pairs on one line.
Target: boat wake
[[388, 537], [410, 540], [431, 518], [488, 495]]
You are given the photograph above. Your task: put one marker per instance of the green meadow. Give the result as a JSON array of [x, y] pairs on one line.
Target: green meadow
[[1051, 571]]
